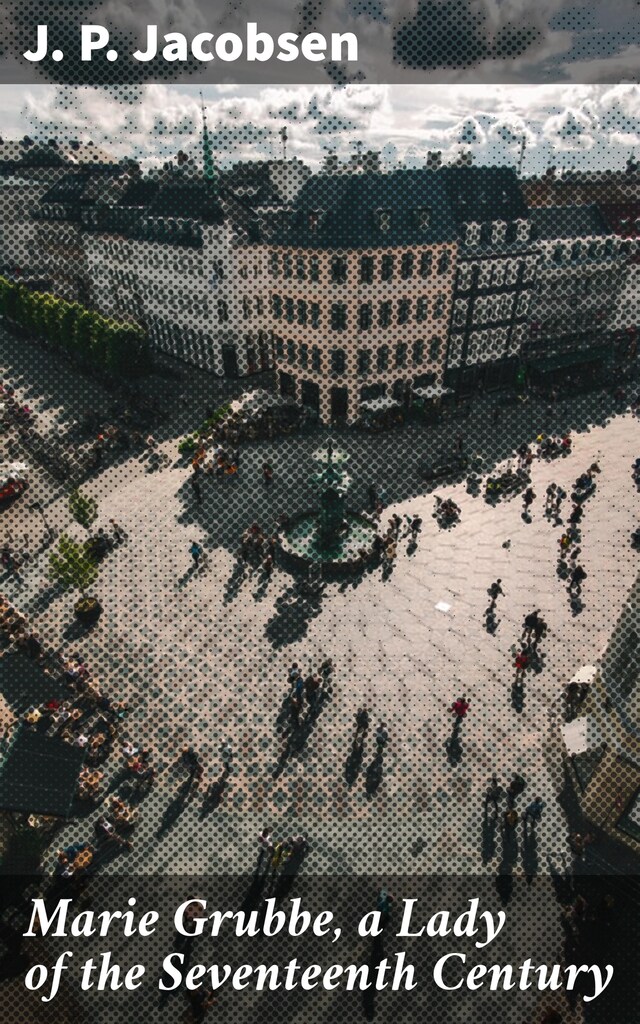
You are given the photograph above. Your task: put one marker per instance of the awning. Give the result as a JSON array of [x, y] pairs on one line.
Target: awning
[[581, 735], [382, 404], [39, 774], [432, 391], [259, 401]]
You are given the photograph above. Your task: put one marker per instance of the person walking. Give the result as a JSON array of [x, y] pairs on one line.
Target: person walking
[[459, 708], [494, 793], [196, 553], [515, 788], [362, 722], [533, 811], [196, 488], [530, 622], [550, 499], [495, 590]]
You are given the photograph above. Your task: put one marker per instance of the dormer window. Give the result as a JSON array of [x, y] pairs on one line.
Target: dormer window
[[383, 220], [314, 220], [423, 217]]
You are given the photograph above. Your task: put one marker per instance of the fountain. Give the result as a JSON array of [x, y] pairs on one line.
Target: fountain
[[332, 538]]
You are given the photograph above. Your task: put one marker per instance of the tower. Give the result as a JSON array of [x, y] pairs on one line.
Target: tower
[[208, 167]]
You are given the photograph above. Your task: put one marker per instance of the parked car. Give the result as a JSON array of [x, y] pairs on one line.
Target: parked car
[[13, 481]]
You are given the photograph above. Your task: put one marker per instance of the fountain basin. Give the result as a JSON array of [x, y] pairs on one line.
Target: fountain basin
[[302, 548]]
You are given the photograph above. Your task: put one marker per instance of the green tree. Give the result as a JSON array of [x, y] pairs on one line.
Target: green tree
[[72, 566], [83, 509]]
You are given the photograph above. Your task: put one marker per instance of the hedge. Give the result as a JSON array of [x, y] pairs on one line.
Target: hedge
[[86, 337]]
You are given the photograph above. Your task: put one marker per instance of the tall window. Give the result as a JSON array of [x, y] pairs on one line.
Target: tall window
[[276, 306], [384, 314], [426, 263], [386, 268], [406, 265], [383, 220], [401, 355], [338, 270], [301, 270], [417, 352], [316, 359], [302, 311], [274, 264], [287, 265], [366, 270], [304, 356], [364, 362], [246, 308], [382, 359], [421, 309], [338, 361], [434, 348], [444, 262], [223, 311], [438, 308], [338, 316], [314, 269], [289, 308], [404, 309], [315, 314], [291, 353], [365, 316]]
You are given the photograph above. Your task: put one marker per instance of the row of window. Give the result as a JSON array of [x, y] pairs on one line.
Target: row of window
[[389, 313], [580, 250], [405, 265], [384, 357]]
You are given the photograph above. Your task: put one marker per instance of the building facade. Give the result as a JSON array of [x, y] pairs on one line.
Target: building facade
[[495, 276], [360, 277]]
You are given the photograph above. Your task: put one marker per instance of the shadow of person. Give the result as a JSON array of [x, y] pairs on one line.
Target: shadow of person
[[489, 831], [530, 852], [369, 994], [353, 763], [491, 623], [453, 745], [214, 794], [517, 695], [373, 775], [175, 808]]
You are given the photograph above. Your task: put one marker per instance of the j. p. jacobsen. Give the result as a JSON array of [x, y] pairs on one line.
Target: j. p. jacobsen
[[252, 45]]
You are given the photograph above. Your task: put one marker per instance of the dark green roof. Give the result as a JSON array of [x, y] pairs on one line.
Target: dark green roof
[[349, 208], [551, 222], [483, 194], [190, 199]]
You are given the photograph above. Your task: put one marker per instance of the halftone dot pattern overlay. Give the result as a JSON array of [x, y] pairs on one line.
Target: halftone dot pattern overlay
[[319, 505]]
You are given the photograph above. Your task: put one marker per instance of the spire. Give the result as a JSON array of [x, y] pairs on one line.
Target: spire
[[208, 168]]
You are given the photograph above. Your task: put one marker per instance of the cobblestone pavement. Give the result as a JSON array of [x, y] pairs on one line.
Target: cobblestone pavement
[[202, 657]]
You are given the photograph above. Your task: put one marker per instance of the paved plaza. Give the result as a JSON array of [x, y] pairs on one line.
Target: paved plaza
[[202, 657]]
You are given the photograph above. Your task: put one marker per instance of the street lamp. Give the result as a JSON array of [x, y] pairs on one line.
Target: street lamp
[[37, 506]]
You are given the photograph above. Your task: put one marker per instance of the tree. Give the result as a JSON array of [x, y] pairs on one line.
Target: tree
[[72, 566], [84, 510]]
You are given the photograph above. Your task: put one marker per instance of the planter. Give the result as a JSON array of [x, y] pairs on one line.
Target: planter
[[87, 609]]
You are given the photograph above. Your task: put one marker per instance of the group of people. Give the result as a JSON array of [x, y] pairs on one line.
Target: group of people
[[497, 793], [310, 689], [257, 548]]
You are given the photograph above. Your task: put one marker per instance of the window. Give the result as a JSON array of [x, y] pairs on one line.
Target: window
[[338, 361], [485, 234], [384, 314], [302, 311], [404, 309], [365, 316], [259, 306], [279, 348], [444, 262], [289, 308], [401, 355], [576, 250], [382, 360], [314, 221], [315, 314], [223, 311], [426, 263], [438, 308], [421, 309], [558, 254], [417, 352], [423, 217], [383, 220], [406, 266], [338, 270], [314, 269], [291, 353], [434, 348], [364, 362], [386, 268], [511, 234], [246, 309], [304, 356], [366, 270], [338, 316], [276, 306], [301, 270], [287, 265], [316, 359]]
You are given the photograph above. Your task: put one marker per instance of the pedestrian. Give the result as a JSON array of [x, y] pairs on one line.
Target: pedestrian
[[382, 736], [530, 622], [511, 818], [539, 630], [311, 689], [226, 754], [195, 487], [550, 498], [362, 721], [383, 906], [460, 708], [267, 565], [533, 810], [196, 553], [515, 788], [494, 793], [118, 532], [267, 473], [495, 590], [577, 577], [528, 498], [576, 514], [294, 672], [559, 498]]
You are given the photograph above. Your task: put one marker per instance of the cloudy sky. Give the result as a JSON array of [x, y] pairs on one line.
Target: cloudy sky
[[570, 125]]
